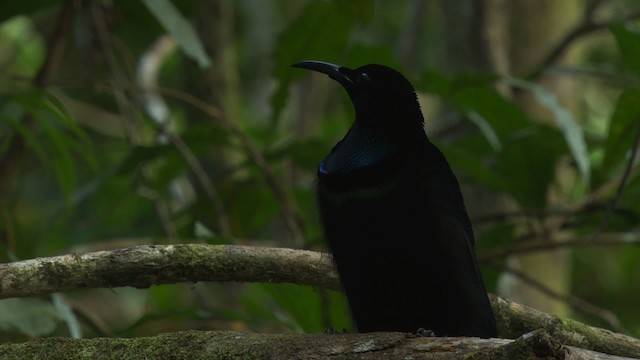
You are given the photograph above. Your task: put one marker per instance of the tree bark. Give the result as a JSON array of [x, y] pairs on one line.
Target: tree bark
[[146, 265], [237, 345]]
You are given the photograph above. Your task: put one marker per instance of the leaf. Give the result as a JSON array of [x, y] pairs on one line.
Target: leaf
[[624, 125], [436, 82], [473, 166], [22, 42], [142, 154], [16, 8], [63, 308], [54, 107], [251, 202], [361, 54], [62, 159], [486, 130], [299, 307], [524, 168], [33, 317], [492, 237], [496, 117], [504, 116], [528, 165], [573, 134], [362, 10], [628, 38], [305, 153], [319, 33], [27, 135], [180, 28]]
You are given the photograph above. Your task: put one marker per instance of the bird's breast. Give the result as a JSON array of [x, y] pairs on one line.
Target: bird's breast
[[361, 147], [367, 179]]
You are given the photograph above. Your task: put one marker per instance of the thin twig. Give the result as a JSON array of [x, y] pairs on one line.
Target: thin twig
[[88, 317], [162, 209], [125, 108], [623, 181], [586, 26], [592, 7], [205, 182], [292, 218], [106, 45], [587, 207], [630, 238]]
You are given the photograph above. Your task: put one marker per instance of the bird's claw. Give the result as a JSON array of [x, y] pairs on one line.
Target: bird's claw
[[422, 332], [331, 331]]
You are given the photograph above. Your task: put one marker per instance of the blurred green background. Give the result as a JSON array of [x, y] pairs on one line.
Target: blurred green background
[[127, 122]]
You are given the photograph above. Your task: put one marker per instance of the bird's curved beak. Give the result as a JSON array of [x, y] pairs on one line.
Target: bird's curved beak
[[339, 73]]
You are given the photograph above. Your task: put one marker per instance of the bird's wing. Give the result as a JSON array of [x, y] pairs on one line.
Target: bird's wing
[[445, 195]]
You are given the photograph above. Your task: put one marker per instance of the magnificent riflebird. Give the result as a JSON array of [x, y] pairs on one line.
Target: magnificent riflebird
[[393, 215]]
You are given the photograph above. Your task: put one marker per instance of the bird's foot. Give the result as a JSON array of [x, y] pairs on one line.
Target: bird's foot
[[422, 332], [331, 331]]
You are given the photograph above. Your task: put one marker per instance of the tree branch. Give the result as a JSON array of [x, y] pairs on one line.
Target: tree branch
[[146, 265], [615, 239], [623, 182], [514, 319], [235, 345], [587, 25], [581, 305]]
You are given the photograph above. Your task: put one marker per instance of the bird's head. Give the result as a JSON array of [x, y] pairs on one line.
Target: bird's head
[[384, 100]]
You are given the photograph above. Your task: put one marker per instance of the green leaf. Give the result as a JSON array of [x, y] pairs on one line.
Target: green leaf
[[139, 155], [62, 160], [180, 28], [27, 135], [299, 307], [22, 42], [493, 237], [16, 8], [486, 130], [628, 38], [305, 153], [361, 54], [362, 10], [624, 125], [573, 134], [504, 116], [439, 83], [473, 166], [319, 33], [528, 162], [33, 317], [523, 169], [84, 147], [435, 82], [63, 308]]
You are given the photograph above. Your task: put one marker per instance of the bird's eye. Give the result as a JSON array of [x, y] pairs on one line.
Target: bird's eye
[[363, 77]]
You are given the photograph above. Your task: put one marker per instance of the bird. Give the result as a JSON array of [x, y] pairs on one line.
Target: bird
[[393, 215]]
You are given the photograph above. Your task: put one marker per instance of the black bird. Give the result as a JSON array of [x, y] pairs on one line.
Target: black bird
[[394, 217]]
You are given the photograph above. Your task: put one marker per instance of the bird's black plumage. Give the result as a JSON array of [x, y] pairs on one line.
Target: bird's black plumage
[[394, 217]]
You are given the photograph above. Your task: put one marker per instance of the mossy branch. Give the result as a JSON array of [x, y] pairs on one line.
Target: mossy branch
[[236, 345], [146, 265]]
